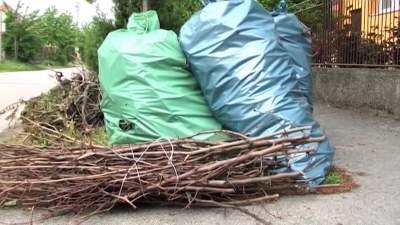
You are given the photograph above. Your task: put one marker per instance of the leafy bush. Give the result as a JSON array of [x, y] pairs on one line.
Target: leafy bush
[[348, 48], [123, 10], [344, 45], [92, 36], [356, 49], [393, 43], [174, 13]]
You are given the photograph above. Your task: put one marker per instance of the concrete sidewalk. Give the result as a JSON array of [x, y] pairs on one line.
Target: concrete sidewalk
[[363, 144]]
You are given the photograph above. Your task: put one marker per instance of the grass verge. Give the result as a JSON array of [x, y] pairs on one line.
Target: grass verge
[[12, 66]]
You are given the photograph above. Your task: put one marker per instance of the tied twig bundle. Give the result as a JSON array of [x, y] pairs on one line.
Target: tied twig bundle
[[227, 173]]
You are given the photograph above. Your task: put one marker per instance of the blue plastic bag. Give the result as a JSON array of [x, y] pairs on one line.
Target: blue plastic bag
[[296, 39], [247, 77]]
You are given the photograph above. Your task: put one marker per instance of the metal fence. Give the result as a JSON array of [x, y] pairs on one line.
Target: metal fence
[[354, 33]]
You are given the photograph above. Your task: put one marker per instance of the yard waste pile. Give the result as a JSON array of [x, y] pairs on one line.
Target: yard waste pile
[[71, 106], [249, 79], [147, 91], [165, 131]]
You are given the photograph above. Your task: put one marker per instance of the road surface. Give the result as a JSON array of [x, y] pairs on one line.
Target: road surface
[[364, 144], [24, 85]]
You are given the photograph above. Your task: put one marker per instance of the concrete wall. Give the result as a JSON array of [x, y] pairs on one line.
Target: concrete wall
[[357, 88]]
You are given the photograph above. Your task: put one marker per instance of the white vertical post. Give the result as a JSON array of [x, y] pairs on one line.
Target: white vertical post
[[2, 30], [1, 34], [78, 7]]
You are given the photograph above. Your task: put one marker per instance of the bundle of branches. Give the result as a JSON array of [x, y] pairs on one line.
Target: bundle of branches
[[74, 104], [227, 173]]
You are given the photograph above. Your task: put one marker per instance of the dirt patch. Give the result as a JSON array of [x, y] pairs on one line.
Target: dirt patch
[[347, 184]]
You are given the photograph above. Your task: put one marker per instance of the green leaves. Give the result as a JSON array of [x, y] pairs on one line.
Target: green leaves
[[91, 37], [174, 13], [123, 10], [22, 38], [60, 32], [26, 37]]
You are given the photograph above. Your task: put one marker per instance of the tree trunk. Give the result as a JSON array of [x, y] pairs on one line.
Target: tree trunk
[[145, 5], [15, 49]]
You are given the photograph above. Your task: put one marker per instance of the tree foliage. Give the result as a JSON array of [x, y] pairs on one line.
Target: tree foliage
[[123, 10], [26, 37], [22, 39], [92, 36], [174, 13], [60, 32]]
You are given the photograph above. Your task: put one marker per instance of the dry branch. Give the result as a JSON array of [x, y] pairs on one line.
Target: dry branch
[[227, 173]]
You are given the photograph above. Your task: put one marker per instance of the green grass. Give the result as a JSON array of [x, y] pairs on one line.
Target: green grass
[[333, 178], [13, 66]]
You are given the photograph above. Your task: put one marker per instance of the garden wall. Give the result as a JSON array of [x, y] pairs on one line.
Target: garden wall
[[357, 88]]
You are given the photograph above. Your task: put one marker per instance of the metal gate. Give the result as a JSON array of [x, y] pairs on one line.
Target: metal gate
[[353, 33]]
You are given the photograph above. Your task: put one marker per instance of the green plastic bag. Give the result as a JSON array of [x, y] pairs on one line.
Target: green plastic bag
[[147, 90]]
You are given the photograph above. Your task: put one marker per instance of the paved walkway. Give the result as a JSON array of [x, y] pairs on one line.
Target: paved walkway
[[363, 144]]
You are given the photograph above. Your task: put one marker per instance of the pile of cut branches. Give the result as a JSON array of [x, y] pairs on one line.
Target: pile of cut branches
[[73, 103], [228, 173], [72, 107]]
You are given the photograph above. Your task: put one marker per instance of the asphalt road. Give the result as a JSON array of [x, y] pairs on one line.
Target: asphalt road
[[24, 85], [363, 144]]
